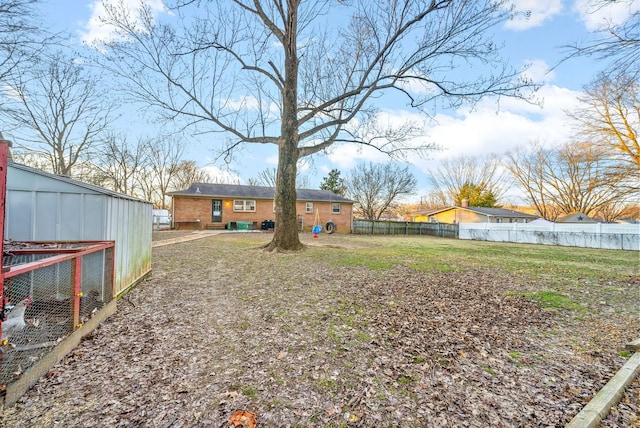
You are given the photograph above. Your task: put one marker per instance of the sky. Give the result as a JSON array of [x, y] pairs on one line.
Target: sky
[[487, 128]]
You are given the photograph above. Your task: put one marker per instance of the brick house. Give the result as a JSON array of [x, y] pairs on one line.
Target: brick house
[[230, 206]]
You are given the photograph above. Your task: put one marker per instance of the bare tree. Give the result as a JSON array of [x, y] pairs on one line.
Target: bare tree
[[119, 162], [146, 185], [18, 33], [376, 188], [573, 178], [266, 177], [57, 110], [291, 75], [460, 174], [610, 115], [617, 44], [164, 156], [187, 173]]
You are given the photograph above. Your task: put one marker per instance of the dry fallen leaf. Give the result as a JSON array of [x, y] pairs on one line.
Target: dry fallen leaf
[[244, 419]]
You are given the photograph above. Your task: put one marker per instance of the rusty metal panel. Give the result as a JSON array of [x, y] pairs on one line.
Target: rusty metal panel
[[130, 225]]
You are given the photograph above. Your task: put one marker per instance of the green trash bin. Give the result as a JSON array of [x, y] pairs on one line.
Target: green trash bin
[[244, 225]]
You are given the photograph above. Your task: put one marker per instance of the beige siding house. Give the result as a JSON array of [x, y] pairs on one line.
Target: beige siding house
[[462, 214]]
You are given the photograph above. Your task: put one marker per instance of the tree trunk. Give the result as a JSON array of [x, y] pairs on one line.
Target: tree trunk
[[285, 237]]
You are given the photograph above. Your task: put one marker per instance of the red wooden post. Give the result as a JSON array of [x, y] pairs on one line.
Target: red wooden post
[[77, 290], [4, 160]]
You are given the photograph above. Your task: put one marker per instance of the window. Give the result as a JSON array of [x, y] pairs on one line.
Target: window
[[309, 207], [498, 220], [244, 205], [335, 208], [433, 219]]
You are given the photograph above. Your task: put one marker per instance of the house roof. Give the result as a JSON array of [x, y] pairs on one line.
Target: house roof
[[626, 221], [255, 192], [578, 217], [489, 212]]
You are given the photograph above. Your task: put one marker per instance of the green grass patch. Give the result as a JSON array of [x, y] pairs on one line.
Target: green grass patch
[[554, 300], [249, 391], [404, 380], [363, 336], [431, 253], [325, 384], [489, 370]]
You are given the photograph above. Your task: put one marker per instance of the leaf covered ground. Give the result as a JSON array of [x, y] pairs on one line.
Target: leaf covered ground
[[349, 332]]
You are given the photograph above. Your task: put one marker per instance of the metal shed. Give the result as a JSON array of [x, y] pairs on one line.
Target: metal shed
[[46, 207]]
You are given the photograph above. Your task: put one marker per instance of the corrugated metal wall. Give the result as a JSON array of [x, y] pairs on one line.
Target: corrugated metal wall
[[45, 207]]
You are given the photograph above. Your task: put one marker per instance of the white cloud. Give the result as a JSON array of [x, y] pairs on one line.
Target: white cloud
[[97, 32], [597, 15], [222, 176], [251, 103], [539, 71], [532, 13], [246, 102], [480, 131], [10, 91], [484, 130], [416, 86], [346, 156]]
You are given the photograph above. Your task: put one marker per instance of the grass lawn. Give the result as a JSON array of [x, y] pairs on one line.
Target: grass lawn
[[600, 280], [354, 331]]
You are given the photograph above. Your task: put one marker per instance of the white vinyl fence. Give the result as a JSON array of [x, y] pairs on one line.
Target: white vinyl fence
[[597, 235]]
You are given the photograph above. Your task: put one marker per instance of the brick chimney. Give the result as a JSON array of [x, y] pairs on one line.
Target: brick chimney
[[464, 203]]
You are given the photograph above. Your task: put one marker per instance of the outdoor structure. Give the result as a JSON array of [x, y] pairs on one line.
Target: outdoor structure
[[46, 207], [161, 219], [51, 293], [581, 218], [466, 214], [237, 207]]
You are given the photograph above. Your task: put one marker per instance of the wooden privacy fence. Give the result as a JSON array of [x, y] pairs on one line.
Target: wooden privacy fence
[[388, 227]]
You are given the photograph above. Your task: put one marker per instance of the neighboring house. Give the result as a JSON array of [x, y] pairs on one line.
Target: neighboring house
[[466, 214], [576, 218], [626, 221], [230, 206], [541, 222]]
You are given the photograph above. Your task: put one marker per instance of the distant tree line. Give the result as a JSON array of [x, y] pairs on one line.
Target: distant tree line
[[60, 104]]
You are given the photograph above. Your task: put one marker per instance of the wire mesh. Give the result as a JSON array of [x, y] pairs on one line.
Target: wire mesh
[[39, 310]]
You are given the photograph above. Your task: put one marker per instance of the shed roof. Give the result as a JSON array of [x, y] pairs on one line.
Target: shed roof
[[63, 179], [256, 192]]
